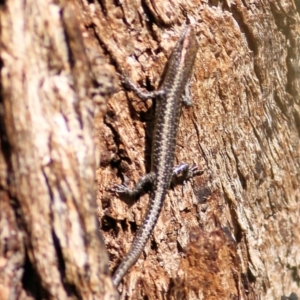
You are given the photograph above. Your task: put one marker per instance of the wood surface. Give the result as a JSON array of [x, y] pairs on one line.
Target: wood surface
[[69, 131]]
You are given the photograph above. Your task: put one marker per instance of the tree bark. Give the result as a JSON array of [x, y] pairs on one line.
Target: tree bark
[[50, 242], [232, 232], [229, 233]]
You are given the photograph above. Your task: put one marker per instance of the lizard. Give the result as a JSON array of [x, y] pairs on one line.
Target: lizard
[[169, 99]]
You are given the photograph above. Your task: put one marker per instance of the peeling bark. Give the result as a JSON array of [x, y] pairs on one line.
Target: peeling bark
[[50, 242], [231, 233]]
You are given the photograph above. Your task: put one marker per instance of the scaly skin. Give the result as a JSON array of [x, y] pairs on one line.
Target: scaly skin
[[169, 100]]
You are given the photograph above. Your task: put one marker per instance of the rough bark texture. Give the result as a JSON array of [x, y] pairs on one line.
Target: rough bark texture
[[49, 233], [231, 233]]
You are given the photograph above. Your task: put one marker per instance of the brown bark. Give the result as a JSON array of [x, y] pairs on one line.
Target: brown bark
[[232, 232], [50, 242], [229, 233]]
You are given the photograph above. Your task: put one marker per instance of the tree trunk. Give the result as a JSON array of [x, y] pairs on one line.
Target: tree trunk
[[50, 242], [230, 233]]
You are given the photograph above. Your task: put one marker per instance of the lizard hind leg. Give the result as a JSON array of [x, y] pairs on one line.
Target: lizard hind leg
[[140, 187], [186, 96], [184, 172]]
